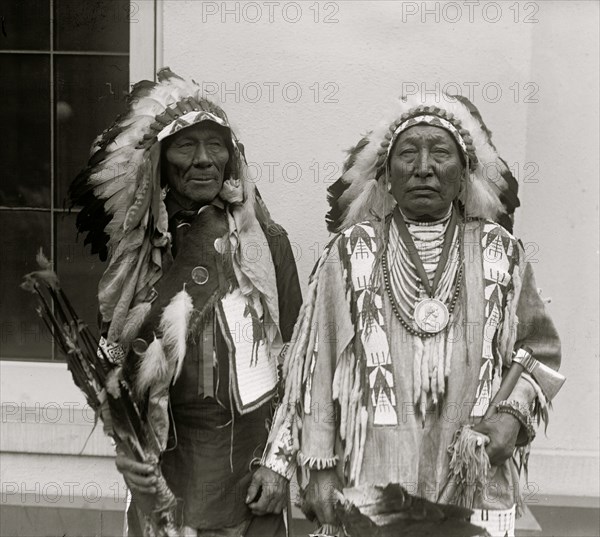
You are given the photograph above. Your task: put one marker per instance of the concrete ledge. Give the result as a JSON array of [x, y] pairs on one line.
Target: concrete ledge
[[42, 411], [36, 521], [52, 429], [563, 473], [61, 481]]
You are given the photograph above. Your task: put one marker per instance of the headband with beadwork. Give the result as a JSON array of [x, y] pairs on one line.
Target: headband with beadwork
[[436, 117], [184, 113], [187, 120], [434, 121]]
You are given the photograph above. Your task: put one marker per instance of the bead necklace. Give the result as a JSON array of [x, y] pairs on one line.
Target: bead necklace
[[402, 281]]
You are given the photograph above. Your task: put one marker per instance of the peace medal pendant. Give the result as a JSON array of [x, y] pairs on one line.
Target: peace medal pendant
[[431, 315]]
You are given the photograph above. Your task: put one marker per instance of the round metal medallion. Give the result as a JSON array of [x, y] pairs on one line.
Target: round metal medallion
[[139, 346], [431, 315], [200, 275]]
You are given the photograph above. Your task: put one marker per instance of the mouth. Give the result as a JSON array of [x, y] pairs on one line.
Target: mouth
[[202, 179], [424, 188]]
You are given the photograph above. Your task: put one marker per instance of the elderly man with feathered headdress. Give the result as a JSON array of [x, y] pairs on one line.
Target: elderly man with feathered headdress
[[198, 299], [413, 316]]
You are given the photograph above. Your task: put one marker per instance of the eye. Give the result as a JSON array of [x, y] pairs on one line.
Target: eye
[[408, 155], [406, 151]]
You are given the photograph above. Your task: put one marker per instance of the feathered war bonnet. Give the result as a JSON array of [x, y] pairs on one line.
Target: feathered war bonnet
[[123, 211], [489, 190]]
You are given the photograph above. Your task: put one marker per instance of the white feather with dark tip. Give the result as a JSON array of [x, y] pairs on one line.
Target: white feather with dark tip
[[152, 367], [174, 324]]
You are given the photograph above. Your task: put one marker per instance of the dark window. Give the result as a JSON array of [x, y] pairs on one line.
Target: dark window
[[64, 68]]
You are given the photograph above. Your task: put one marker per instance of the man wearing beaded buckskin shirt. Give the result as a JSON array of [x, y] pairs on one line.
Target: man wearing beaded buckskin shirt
[[429, 295]]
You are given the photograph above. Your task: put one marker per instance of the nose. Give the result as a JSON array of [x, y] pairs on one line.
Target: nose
[[423, 166], [201, 157]]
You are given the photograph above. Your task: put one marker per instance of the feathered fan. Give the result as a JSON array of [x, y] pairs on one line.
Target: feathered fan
[[97, 376]]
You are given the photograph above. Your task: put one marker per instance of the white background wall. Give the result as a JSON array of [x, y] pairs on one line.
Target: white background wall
[[530, 67]]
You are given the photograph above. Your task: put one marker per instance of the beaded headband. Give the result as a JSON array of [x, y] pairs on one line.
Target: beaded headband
[[187, 120], [183, 113], [434, 121], [432, 115]]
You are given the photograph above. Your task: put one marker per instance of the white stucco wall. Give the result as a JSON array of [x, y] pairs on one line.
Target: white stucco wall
[[541, 56], [561, 216]]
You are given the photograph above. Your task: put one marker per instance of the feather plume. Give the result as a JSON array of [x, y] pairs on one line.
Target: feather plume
[[337, 189], [174, 324], [152, 368], [334, 193], [112, 382], [107, 392], [45, 274]]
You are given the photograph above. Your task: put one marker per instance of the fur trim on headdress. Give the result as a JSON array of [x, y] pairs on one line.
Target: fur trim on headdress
[[490, 191]]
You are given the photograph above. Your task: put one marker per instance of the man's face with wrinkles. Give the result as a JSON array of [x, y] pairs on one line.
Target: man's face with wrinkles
[[196, 158], [425, 172]]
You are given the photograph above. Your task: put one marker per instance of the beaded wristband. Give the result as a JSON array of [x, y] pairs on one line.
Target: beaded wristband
[[326, 530], [523, 408], [520, 411]]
